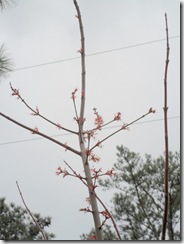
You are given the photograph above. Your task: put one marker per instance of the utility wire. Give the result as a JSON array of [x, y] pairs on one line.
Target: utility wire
[[88, 55], [66, 134], [93, 54]]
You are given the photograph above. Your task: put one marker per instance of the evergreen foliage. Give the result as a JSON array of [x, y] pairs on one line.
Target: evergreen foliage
[[138, 201], [5, 63], [16, 224]]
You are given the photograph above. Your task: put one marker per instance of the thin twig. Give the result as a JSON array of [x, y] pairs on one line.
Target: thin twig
[[41, 134], [38, 113], [166, 135], [76, 113], [31, 215], [123, 128]]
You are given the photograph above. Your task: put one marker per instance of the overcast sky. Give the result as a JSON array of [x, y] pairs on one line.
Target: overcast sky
[[127, 80]]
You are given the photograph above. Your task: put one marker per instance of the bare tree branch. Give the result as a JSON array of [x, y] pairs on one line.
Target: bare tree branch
[[37, 113], [31, 215], [166, 136], [125, 126], [41, 134]]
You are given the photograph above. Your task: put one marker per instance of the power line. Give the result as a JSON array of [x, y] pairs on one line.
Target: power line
[[66, 134], [93, 54]]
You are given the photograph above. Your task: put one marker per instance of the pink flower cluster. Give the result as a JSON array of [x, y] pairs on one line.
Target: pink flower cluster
[[60, 171], [91, 156], [15, 92], [151, 110], [117, 116], [105, 214], [35, 130], [96, 173], [98, 120], [36, 112], [111, 172]]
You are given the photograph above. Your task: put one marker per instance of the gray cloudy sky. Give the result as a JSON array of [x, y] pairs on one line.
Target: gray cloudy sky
[[128, 80]]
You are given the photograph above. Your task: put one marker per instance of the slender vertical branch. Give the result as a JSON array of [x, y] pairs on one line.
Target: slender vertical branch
[[166, 135], [31, 215], [94, 205], [83, 72]]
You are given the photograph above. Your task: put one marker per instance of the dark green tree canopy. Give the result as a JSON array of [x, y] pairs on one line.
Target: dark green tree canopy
[[16, 223], [138, 202], [5, 62], [6, 3]]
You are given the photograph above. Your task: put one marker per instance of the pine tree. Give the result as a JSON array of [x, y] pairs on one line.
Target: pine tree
[[5, 62], [138, 203], [6, 3], [16, 224]]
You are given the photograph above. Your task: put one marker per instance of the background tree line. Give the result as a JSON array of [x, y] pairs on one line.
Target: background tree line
[[138, 202]]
